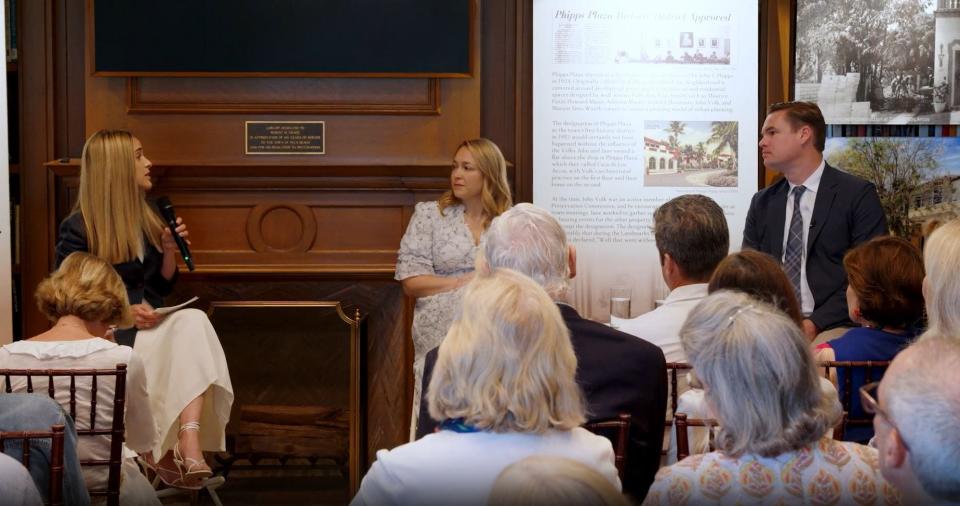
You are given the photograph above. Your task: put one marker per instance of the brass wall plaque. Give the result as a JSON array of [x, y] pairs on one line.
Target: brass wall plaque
[[284, 137]]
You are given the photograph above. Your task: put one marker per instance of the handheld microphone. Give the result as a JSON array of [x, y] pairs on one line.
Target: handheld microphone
[[170, 216]]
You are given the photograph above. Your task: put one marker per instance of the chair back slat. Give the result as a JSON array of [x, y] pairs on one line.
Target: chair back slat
[[683, 443], [115, 430], [73, 397], [55, 490], [93, 404], [617, 430]]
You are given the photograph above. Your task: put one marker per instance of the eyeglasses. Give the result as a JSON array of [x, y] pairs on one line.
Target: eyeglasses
[[868, 399]]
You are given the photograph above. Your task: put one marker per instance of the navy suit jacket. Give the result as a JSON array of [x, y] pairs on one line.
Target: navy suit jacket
[[846, 212], [618, 373]]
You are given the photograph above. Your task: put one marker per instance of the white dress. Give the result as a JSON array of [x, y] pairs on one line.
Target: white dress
[[436, 245], [459, 468], [95, 353], [183, 359]]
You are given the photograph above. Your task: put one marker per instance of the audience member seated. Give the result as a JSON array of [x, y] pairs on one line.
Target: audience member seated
[[504, 386], [884, 295], [617, 372], [941, 286], [37, 413], [183, 359], [691, 235], [84, 298], [917, 421], [16, 485], [553, 481], [760, 276], [761, 384]]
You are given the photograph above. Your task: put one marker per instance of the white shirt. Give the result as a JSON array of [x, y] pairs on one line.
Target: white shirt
[[662, 325], [807, 201], [447, 467], [94, 353]]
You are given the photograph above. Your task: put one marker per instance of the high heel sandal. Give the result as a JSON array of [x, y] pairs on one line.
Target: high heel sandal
[[189, 473]]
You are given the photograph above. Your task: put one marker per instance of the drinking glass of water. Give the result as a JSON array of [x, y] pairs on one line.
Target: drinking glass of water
[[619, 305]]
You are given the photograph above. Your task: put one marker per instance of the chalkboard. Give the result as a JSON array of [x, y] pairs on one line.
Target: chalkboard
[[289, 37]]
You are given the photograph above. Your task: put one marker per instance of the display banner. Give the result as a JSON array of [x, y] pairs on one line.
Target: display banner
[[636, 103]]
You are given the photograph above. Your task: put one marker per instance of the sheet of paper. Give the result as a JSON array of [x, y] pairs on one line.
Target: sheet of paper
[[170, 309]]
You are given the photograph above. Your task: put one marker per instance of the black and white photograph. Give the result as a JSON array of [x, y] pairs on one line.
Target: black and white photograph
[[868, 62], [690, 153]]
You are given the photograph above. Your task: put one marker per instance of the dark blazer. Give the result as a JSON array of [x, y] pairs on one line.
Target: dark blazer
[[846, 212], [143, 279], [618, 373]]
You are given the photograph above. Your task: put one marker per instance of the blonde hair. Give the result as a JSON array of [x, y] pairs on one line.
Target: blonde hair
[[544, 480], [507, 364], [759, 375], [87, 287], [115, 212], [495, 195], [941, 258]]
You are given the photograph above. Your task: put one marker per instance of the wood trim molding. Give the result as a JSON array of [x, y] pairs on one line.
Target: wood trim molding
[[430, 106]]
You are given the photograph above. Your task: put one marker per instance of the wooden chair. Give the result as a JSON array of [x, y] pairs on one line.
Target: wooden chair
[[683, 443], [617, 430], [113, 428], [674, 369], [847, 391], [55, 434]]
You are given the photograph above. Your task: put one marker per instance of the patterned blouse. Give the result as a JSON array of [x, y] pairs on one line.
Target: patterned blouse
[[825, 473]]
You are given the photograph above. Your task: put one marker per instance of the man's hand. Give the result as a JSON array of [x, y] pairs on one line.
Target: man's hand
[[809, 329]]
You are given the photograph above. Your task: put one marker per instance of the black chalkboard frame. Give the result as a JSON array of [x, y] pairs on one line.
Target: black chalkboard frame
[[461, 72]]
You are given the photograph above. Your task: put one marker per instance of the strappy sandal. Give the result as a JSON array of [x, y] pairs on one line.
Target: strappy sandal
[[189, 473]]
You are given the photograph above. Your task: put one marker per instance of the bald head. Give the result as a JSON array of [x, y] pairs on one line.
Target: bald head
[[921, 394]]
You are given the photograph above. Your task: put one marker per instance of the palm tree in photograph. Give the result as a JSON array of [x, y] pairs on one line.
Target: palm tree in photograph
[[724, 135], [676, 129], [700, 154]]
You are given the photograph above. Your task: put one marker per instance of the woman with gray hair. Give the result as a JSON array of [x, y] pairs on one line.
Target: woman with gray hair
[[762, 387], [941, 286], [504, 387]]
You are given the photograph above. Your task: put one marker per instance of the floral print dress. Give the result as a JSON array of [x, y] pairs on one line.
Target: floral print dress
[[827, 472], [436, 245]]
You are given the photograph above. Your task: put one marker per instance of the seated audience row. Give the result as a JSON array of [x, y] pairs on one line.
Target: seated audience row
[[616, 372], [504, 388], [762, 386]]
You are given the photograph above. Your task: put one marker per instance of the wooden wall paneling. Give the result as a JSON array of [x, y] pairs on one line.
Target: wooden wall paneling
[[284, 95], [776, 31], [523, 90], [68, 56], [498, 103], [36, 69]]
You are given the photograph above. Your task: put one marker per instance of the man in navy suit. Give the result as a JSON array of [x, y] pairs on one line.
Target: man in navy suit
[[810, 218], [617, 372]]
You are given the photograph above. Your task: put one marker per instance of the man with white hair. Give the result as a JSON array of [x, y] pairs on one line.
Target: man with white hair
[[917, 421], [617, 372]]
